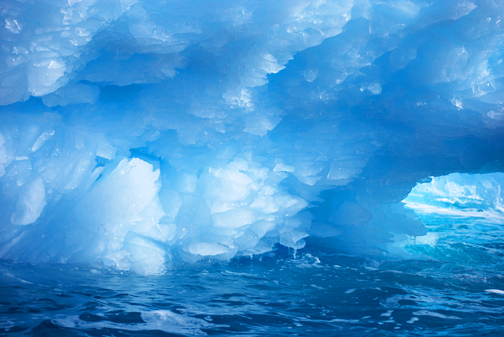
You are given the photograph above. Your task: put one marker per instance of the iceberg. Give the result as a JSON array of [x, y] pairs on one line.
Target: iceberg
[[143, 134]]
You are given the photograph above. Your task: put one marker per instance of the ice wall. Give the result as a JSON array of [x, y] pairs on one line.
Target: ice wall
[[139, 134]]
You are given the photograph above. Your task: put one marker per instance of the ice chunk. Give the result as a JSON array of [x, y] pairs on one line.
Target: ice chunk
[[124, 205], [72, 94], [171, 202], [30, 203], [128, 189], [262, 227], [260, 124], [105, 150], [41, 140], [227, 185], [208, 248], [281, 167], [147, 257], [293, 238], [185, 182], [5, 159], [234, 218], [350, 214]]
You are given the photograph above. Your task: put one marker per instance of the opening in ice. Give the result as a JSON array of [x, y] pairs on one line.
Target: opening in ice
[[462, 212]]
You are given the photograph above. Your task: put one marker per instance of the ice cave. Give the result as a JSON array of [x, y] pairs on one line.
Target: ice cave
[[163, 140]]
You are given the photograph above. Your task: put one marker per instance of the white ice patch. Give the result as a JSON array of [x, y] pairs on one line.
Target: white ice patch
[[41, 140], [124, 203], [5, 159], [30, 203], [121, 196]]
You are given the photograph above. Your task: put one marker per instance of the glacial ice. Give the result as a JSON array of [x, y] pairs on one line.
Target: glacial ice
[[141, 134]]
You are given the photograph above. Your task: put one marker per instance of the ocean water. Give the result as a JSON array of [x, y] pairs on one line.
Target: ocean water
[[452, 285]]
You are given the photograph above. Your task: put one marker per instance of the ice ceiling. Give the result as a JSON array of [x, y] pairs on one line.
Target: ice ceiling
[[142, 134]]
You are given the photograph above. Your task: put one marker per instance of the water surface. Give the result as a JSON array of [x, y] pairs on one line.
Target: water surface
[[452, 286]]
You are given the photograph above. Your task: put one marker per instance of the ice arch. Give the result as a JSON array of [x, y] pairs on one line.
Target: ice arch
[[461, 211], [138, 134], [475, 195]]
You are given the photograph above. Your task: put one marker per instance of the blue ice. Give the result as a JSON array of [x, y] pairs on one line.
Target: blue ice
[[142, 134]]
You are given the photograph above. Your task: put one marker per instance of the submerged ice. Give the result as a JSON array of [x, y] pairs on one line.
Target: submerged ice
[[141, 134]]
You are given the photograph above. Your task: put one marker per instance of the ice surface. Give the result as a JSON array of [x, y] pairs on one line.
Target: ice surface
[[140, 134]]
